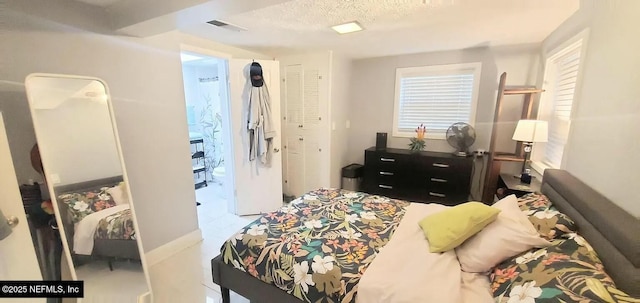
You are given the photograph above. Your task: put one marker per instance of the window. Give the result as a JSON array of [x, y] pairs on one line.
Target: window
[[436, 96], [562, 70]]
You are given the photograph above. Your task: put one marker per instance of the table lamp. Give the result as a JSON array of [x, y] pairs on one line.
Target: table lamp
[[528, 132]]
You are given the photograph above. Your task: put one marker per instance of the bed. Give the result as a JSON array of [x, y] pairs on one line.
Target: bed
[[95, 226], [609, 230]]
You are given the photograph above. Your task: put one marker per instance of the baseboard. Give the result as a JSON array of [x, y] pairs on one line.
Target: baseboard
[[145, 298], [165, 251]]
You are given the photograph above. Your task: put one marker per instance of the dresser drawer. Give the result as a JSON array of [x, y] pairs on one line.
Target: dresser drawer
[[444, 198], [446, 166], [386, 161]]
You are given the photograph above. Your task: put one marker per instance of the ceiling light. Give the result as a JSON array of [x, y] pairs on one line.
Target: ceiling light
[[346, 28]]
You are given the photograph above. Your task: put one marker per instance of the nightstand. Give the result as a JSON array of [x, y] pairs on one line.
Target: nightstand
[[508, 184]]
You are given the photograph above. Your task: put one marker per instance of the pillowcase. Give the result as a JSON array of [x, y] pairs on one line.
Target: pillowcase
[[548, 221], [510, 234], [82, 204], [447, 229], [119, 194]]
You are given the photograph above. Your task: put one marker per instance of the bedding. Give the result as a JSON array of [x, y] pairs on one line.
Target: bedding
[[405, 271], [447, 229], [84, 203], [319, 246], [510, 234], [549, 222], [112, 223], [567, 271]]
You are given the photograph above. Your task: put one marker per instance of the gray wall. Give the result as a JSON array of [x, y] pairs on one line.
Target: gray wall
[[339, 105], [603, 148], [373, 87]]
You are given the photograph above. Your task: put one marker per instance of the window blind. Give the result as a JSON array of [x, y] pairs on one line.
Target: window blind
[[437, 101], [563, 78]]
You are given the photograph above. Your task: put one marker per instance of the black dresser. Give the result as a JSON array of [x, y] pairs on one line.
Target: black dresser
[[417, 176]]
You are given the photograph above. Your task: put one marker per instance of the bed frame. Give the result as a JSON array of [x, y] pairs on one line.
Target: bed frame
[[107, 248], [613, 233]]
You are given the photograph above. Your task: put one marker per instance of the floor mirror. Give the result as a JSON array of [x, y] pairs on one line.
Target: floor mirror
[[84, 171]]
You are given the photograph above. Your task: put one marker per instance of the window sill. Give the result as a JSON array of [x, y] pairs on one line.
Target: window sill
[[539, 167], [439, 136]]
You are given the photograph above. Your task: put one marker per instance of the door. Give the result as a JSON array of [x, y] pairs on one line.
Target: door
[[18, 261], [305, 99], [257, 188]]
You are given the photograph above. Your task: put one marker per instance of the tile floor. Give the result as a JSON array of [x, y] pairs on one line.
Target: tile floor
[[186, 276]]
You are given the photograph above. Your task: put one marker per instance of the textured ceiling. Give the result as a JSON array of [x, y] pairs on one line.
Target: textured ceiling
[[391, 26]]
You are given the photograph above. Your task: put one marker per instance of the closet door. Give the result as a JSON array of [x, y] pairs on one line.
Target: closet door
[[305, 102]]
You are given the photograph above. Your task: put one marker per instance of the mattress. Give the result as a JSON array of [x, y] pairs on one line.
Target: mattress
[[319, 246]]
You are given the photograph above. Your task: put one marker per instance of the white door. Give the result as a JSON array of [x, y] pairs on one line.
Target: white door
[[257, 188], [305, 157], [18, 261]]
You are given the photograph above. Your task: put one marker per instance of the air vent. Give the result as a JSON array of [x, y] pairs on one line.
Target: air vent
[[225, 25]]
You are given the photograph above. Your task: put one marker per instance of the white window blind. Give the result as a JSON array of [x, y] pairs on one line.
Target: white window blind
[[562, 78], [436, 96]]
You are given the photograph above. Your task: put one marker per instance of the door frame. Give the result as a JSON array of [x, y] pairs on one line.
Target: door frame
[[227, 138]]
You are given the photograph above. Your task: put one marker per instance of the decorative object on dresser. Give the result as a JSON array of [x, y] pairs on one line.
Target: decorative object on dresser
[[381, 140], [418, 143], [417, 176], [461, 136]]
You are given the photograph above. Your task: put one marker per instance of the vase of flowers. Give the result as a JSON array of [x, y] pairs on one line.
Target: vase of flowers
[[418, 143]]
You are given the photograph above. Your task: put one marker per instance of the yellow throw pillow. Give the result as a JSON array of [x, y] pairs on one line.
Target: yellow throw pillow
[[447, 229]]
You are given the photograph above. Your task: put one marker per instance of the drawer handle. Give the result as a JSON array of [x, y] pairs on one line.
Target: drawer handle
[[438, 180], [387, 160], [441, 165], [385, 186], [384, 173], [437, 195]]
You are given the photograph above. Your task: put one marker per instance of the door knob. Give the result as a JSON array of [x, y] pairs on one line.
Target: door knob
[[12, 221]]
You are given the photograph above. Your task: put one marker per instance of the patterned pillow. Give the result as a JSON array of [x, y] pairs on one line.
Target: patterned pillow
[[82, 204], [567, 271], [549, 222]]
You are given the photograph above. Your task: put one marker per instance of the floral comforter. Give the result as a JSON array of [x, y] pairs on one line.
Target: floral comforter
[[318, 247], [116, 226]]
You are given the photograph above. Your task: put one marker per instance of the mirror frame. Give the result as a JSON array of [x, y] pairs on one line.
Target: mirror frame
[[50, 187]]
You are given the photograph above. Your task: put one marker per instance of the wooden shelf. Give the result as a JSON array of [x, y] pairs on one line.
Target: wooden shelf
[[507, 157], [522, 90]]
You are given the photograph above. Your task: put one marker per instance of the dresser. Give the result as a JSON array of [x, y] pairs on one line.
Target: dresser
[[417, 176]]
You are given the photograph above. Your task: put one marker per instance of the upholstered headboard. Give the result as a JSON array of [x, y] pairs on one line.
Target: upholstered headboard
[[613, 232]]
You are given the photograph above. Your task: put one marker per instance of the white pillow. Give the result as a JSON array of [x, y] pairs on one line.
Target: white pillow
[[119, 194], [510, 234]]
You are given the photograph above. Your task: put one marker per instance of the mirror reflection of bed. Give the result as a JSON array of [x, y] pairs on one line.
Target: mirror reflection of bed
[[80, 153]]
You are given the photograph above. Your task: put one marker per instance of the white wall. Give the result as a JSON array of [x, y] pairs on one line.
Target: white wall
[[20, 133], [145, 79], [341, 67], [603, 149], [373, 88]]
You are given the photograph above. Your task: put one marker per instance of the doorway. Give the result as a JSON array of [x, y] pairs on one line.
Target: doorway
[[206, 96]]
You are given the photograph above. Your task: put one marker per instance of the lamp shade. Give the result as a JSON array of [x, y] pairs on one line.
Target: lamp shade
[[531, 131]]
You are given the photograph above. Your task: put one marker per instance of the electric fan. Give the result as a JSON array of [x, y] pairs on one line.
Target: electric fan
[[461, 136]]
